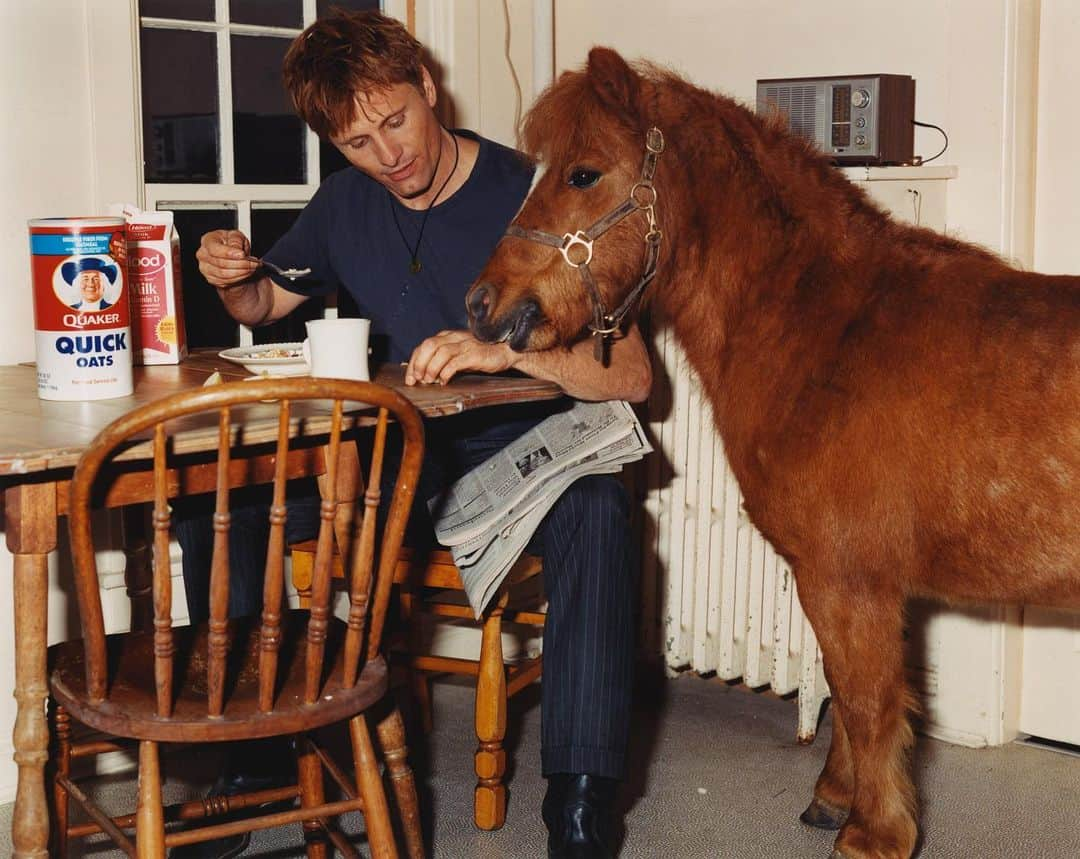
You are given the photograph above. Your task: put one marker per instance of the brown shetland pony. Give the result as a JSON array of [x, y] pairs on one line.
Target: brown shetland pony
[[901, 409]]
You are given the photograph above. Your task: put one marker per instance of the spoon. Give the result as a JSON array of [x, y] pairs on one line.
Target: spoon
[[290, 273]]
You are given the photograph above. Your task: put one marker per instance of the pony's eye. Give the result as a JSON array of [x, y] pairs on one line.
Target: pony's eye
[[583, 177]]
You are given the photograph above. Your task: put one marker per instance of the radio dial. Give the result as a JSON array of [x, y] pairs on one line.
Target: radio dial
[[860, 98]]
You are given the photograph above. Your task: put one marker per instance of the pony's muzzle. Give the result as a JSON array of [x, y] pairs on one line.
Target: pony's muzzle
[[512, 327]]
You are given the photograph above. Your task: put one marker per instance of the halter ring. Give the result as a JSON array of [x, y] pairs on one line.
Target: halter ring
[[570, 241], [646, 202]]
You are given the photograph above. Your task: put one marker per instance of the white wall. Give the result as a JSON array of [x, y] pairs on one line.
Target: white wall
[[45, 162], [1057, 250], [63, 153], [45, 170], [1051, 697]]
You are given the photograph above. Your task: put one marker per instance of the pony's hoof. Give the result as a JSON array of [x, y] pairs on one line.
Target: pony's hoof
[[822, 815]]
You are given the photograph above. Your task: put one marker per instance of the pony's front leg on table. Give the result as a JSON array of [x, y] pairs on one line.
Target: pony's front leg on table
[[861, 642]]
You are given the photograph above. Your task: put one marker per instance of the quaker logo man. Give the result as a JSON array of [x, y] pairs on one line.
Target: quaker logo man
[[89, 275]]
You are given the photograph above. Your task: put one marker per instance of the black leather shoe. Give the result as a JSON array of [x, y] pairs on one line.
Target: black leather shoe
[[232, 845], [577, 811]]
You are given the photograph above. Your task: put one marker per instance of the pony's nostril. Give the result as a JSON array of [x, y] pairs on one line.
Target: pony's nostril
[[479, 301]]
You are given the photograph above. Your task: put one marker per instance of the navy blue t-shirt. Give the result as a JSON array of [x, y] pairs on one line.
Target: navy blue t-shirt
[[348, 237]]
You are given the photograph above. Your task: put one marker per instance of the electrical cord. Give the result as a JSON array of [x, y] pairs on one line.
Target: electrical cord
[[938, 129]]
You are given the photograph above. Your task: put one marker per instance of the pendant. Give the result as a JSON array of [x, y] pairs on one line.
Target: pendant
[[415, 266]]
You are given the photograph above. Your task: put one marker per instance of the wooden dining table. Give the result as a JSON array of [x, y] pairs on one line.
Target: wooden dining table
[[40, 443]]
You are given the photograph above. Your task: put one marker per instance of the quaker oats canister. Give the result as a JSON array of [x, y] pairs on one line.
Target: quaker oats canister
[[82, 318]]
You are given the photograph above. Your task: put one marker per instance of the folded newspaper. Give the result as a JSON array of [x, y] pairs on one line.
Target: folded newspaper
[[488, 516]]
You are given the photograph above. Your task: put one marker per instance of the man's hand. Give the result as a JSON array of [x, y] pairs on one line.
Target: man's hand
[[249, 298], [627, 377], [440, 358], [223, 258]]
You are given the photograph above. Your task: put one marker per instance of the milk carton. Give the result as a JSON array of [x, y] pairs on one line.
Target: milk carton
[[157, 306]]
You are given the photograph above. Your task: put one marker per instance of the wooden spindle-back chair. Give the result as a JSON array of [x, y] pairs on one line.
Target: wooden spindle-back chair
[[284, 673], [430, 588]]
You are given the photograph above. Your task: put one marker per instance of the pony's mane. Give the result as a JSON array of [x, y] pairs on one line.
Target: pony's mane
[[572, 104], [788, 171]]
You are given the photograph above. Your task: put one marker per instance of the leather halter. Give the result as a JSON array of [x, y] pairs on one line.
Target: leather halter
[[642, 197]]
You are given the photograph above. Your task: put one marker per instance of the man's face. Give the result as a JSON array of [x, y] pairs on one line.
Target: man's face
[[91, 285], [395, 138]]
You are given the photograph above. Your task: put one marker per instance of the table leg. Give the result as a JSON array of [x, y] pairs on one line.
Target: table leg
[[30, 520]]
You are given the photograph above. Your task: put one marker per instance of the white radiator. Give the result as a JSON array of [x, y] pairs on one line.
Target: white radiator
[[717, 597]]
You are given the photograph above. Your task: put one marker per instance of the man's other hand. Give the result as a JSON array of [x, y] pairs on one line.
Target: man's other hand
[[223, 258], [440, 358]]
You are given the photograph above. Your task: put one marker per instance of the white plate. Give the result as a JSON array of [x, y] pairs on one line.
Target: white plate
[[269, 359]]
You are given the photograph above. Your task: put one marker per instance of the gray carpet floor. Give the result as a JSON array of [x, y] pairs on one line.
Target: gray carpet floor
[[715, 773]]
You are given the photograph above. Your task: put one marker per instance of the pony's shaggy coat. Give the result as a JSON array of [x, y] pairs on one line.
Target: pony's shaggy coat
[[901, 409]]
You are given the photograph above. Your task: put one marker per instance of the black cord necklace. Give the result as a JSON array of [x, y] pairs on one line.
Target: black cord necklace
[[414, 250]]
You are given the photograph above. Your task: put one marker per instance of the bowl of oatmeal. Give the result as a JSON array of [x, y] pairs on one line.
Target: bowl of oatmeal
[[270, 359]]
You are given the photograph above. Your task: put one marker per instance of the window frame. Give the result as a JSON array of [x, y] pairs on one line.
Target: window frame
[[227, 193]]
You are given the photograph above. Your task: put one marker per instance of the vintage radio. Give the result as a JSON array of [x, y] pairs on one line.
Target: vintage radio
[[865, 119]]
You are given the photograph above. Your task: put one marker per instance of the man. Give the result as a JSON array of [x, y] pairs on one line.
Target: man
[[89, 274], [405, 231]]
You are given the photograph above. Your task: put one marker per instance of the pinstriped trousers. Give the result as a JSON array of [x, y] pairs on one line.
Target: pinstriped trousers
[[589, 578]]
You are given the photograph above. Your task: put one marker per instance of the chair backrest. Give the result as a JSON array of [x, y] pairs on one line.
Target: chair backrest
[[190, 452]]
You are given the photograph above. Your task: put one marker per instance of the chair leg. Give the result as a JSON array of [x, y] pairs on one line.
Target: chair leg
[[369, 785], [149, 818], [62, 729], [310, 781], [489, 802], [420, 686], [419, 682], [391, 731]]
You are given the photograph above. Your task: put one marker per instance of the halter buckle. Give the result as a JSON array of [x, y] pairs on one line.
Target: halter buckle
[[572, 240], [654, 140]]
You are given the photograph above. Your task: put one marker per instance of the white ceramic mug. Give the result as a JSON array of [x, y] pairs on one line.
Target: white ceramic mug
[[338, 348]]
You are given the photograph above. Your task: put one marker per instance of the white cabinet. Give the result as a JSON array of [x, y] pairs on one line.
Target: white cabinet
[[1050, 694], [913, 194]]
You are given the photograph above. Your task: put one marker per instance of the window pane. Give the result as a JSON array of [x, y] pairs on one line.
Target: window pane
[[267, 225], [192, 10], [268, 138], [330, 159], [208, 324], [271, 13], [324, 6], [179, 101]]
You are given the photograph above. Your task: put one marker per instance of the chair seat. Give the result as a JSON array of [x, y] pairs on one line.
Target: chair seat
[[128, 710]]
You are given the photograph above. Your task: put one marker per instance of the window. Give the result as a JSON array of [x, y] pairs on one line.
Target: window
[[222, 147]]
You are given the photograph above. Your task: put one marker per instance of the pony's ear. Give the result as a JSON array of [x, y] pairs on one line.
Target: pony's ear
[[613, 80]]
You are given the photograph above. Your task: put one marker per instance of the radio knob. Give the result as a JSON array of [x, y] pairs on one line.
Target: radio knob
[[860, 98]]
